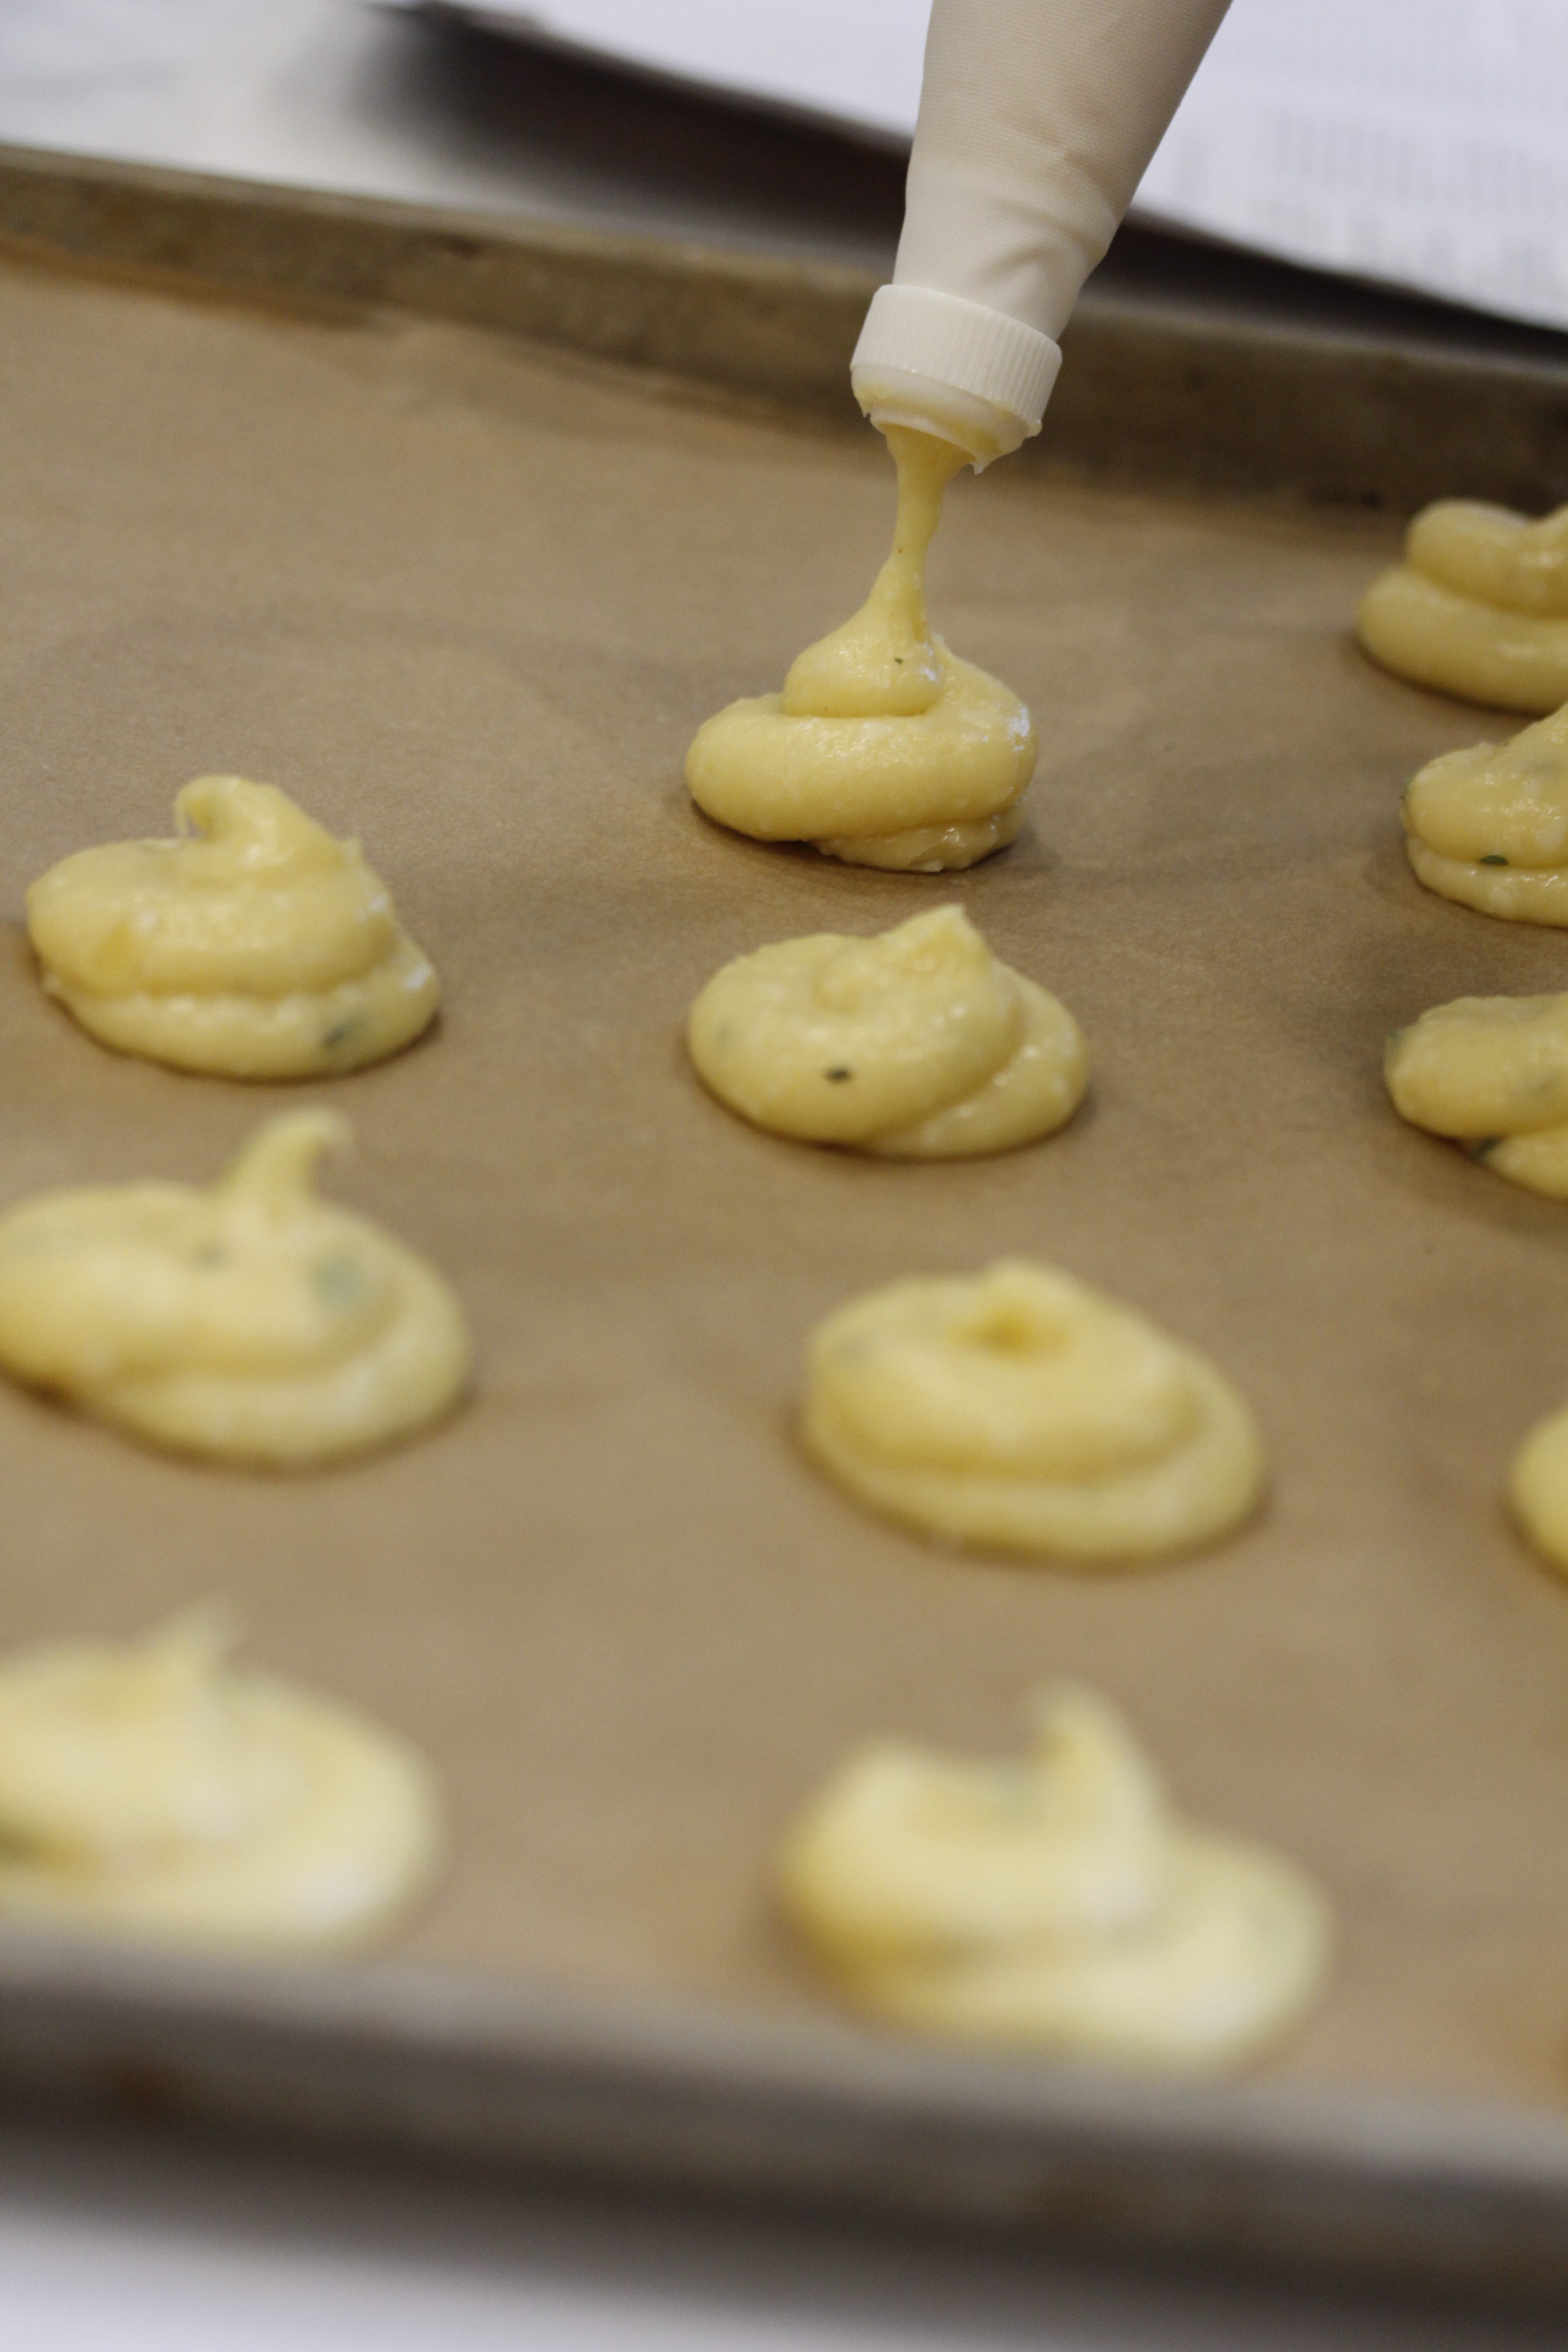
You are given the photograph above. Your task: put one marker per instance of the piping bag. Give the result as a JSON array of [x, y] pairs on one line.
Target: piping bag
[[1038, 120]]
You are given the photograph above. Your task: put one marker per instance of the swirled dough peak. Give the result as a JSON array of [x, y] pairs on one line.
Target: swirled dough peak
[[1491, 1072], [251, 1321], [917, 1044], [884, 749], [1477, 608], [253, 945], [1019, 1410], [1489, 826], [1056, 1904], [155, 1789]]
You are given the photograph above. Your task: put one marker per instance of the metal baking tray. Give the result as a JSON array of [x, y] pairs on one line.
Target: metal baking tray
[[458, 529]]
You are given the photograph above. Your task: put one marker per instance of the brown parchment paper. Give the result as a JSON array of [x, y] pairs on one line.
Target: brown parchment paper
[[470, 603]]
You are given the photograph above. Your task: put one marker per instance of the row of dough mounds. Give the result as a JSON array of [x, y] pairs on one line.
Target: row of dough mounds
[[158, 1791], [1480, 608]]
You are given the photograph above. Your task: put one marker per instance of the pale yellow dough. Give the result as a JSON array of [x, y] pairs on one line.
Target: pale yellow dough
[[252, 946], [1056, 1904], [1538, 1487], [1019, 1410], [917, 1044], [1489, 826], [884, 749], [155, 1791], [1491, 1072], [252, 1321], [1478, 607]]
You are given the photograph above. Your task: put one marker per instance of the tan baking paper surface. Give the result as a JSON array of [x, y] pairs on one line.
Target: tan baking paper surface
[[470, 604]]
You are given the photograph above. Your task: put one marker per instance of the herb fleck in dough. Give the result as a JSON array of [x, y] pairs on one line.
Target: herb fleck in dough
[[252, 1322], [1477, 608], [1489, 826], [1021, 1411], [914, 1045], [1057, 1904], [253, 945], [157, 1790], [884, 749]]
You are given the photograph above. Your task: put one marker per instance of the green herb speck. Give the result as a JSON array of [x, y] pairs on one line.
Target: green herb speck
[[338, 1281], [839, 1075], [1494, 858]]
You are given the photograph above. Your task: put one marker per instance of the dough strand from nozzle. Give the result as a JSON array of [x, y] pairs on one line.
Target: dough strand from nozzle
[[884, 748]]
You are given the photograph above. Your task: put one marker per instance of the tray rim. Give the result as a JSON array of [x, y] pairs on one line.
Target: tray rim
[[1173, 393], [668, 2094]]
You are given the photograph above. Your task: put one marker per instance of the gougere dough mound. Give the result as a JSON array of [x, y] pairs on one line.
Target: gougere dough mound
[[1056, 1904], [1491, 1072], [252, 1322], [916, 1045], [253, 945], [884, 748], [1020, 1410], [156, 1790], [1538, 1487], [1478, 607], [1489, 826]]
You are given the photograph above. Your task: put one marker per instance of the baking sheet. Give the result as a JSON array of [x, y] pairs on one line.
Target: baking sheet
[[470, 601]]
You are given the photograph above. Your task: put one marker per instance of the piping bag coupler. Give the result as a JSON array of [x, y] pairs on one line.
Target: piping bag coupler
[[1037, 120]]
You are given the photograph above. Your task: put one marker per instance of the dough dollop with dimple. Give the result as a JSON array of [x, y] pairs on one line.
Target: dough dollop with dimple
[[155, 1789], [251, 1321], [918, 1045], [252, 945], [1056, 1904], [1020, 1411], [1489, 826], [884, 749], [1478, 607]]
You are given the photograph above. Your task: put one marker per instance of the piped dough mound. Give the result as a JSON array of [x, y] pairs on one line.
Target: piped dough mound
[[1020, 1411], [253, 945], [252, 1322], [1477, 608], [926, 795], [1056, 1904], [916, 1045], [1538, 1487], [156, 1790], [884, 749], [1489, 826], [1491, 1073]]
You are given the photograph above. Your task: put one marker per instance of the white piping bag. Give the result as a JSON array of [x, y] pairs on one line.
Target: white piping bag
[[1037, 120]]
